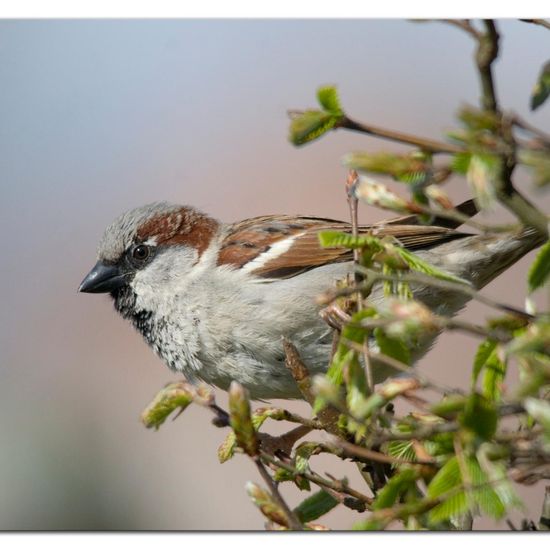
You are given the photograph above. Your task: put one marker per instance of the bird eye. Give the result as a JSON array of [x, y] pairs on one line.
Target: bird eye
[[141, 252]]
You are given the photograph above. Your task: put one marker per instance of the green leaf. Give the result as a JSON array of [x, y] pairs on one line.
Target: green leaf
[[401, 449], [377, 194], [540, 268], [352, 332], [263, 500], [483, 353], [396, 486], [541, 91], [173, 396], [337, 239], [311, 125], [315, 506], [446, 479], [449, 406], [461, 163], [420, 265], [303, 453], [495, 371], [481, 491], [407, 168], [227, 448], [480, 416], [454, 506], [497, 473], [393, 347], [356, 386], [241, 419], [329, 100], [540, 411]]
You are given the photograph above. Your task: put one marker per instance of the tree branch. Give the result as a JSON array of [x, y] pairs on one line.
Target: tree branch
[[540, 22], [430, 145]]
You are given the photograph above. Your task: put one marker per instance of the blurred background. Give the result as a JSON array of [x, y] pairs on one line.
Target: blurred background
[[101, 116]]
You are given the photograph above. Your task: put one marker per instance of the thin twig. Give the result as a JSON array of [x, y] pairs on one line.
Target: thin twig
[[420, 278], [293, 522], [465, 25], [423, 432], [430, 145], [335, 485], [486, 53], [524, 125], [540, 22], [353, 202], [355, 451]]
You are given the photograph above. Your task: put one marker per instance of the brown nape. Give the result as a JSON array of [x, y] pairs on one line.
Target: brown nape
[[185, 226]]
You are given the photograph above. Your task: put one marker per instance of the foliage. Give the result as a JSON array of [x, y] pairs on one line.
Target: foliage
[[459, 454]]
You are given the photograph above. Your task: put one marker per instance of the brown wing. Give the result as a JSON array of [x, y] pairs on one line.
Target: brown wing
[[284, 246]]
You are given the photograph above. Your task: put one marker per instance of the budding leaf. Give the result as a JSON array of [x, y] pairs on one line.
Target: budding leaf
[[461, 163], [481, 174], [269, 508], [177, 395], [540, 411], [541, 91], [411, 169], [329, 100], [396, 486], [483, 353], [480, 416], [337, 239], [315, 506], [377, 194], [311, 125], [393, 347], [540, 268], [241, 420], [418, 264]]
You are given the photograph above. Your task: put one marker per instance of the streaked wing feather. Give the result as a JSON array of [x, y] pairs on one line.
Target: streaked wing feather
[[284, 246]]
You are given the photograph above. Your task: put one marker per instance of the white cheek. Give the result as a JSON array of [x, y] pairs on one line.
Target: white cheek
[[167, 275]]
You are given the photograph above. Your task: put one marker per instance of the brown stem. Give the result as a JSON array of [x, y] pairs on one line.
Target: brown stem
[[430, 145], [335, 485], [293, 522], [541, 22], [299, 371], [465, 25], [486, 54]]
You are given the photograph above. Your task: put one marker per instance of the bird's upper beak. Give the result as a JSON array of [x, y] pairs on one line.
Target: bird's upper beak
[[102, 278]]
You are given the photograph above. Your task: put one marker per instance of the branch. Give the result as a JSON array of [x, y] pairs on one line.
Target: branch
[[486, 53], [335, 485], [293, 522], [465, 25], [541, 22], [430, 145]]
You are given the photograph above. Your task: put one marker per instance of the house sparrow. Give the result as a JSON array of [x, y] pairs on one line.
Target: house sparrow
[[215, 300]]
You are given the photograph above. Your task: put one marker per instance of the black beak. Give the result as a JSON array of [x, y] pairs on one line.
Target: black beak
[[102, 278]]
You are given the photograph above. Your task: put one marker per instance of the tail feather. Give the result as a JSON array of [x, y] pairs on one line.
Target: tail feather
[[467, 208]]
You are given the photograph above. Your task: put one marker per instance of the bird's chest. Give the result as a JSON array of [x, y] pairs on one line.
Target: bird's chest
[[174, 338]]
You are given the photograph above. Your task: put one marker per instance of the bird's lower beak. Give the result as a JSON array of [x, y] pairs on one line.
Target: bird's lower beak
[[102, 278]]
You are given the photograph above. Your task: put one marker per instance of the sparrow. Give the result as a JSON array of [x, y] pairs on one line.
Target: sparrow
[[215, 300]]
